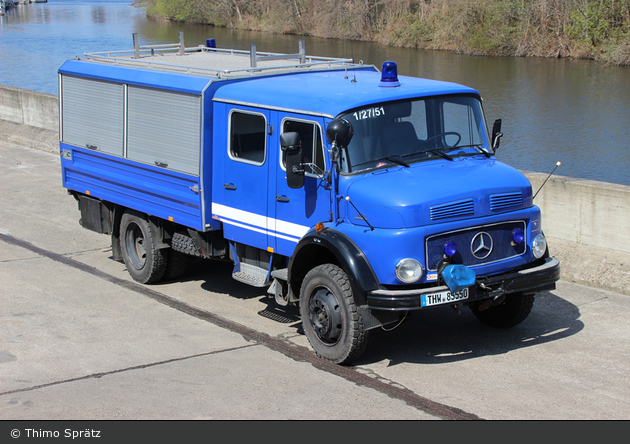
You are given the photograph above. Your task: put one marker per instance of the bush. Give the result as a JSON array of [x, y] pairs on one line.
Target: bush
[[598, 29]]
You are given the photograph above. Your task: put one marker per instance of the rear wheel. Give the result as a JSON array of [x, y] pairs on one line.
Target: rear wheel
[[176, 266], [512, 311], [330, 318], [145, 262]]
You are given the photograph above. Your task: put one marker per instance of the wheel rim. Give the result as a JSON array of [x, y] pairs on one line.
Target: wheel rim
[[325, 317], [135, 246]]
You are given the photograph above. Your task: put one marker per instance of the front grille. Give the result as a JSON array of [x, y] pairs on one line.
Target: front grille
[[500, 202], [502, 247], [452, 209]]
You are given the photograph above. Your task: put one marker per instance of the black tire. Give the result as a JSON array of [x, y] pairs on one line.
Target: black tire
[[512, 311], [176, 264], [330, 319], [184, 244], [145, 262]]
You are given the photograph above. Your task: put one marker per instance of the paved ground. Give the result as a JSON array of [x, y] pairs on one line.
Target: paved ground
[[79, 340]]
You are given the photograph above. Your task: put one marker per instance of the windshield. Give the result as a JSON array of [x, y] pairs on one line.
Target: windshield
[[406, 132]]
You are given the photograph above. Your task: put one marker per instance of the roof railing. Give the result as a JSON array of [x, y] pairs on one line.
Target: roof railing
[[145, 56], [178, 46]]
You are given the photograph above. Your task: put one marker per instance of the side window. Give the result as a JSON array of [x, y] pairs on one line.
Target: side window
[[312, 147], [459, 117], [248, 136]]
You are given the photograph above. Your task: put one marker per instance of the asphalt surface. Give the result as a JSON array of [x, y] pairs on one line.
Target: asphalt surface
[[79, 340]]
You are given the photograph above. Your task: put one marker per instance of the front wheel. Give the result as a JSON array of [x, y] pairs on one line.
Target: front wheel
[[512, 311], [330, 318]]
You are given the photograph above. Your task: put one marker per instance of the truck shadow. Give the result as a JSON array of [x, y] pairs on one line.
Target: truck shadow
[[435, 336], [216, 277], [441, 335]]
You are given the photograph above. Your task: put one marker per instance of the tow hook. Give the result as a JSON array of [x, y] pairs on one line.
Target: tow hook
[[489, 289], [485, 305], [497, 300]]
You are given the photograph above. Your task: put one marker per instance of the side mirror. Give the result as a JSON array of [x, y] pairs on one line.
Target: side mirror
[[496, 134], [292, 148]]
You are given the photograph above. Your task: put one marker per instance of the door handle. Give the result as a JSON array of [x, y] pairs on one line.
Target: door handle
[[282, 198], [229, 186]]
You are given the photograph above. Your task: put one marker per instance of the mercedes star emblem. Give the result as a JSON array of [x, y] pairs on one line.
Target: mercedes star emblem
[[481, 245]]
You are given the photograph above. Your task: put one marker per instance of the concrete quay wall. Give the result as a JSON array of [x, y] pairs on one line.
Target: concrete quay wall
[[29, 118], [587, 223]]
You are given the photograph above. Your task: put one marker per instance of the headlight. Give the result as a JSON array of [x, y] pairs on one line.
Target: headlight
[[539, 246], [409, 270]]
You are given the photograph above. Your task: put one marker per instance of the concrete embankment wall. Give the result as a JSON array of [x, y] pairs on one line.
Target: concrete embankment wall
[[29, 118], [587, 222]]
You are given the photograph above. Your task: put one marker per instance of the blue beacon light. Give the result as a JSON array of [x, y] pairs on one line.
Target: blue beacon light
[[518, 236], [389, 75], [450, 248]]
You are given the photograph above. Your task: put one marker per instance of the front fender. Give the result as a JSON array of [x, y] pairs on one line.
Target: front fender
[[331, 246]]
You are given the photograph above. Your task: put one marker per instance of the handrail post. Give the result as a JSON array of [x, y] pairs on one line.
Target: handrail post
[[252, 55], [302, 51], [136, 46], [181, 43]]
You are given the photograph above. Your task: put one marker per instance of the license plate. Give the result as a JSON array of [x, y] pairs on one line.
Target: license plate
[[444, 297]]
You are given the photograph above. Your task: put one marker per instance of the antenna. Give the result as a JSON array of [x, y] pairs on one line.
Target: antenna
[[345, 56], [543, 184], [354, 68]]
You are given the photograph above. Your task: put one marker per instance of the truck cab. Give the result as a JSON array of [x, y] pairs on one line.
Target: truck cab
[[356, 193]]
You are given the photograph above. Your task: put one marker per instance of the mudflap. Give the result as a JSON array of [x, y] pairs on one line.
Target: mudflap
[[378, 318]]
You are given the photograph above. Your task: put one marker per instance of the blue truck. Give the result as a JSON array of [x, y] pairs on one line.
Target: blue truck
[[356, 193]]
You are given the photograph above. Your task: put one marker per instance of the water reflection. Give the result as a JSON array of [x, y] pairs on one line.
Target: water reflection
[[573, 111]]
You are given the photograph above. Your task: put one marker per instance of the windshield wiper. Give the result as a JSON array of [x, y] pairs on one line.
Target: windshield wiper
[[440, 153], [395, 160], [436, 151], [477, 146]]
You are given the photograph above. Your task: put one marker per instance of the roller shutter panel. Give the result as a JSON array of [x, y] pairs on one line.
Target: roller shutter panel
[[92, 114], [164, 128]]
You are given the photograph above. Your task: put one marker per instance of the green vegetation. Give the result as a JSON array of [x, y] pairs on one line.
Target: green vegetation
[[595, 29]]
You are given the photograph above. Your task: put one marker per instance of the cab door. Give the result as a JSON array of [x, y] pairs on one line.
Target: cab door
[[241, 186], [298, 210]]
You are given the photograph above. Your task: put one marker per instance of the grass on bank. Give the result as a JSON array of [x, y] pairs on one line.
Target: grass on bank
[[591, 29]]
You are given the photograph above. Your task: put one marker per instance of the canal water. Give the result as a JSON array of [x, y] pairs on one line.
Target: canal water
[[576, 112]]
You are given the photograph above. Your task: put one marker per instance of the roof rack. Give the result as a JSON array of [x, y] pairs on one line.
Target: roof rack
[[215, 62]]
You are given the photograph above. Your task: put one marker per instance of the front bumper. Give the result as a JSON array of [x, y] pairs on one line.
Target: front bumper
[[528, 280]]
